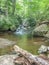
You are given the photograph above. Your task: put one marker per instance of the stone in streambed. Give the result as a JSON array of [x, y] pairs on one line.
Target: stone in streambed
[[42, 49]]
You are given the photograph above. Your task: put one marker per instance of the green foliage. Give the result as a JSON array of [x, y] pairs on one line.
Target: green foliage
[[31, 21], [18, 10], [8, 24]]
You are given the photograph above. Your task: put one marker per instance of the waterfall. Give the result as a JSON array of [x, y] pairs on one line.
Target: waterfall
[[21, 30]]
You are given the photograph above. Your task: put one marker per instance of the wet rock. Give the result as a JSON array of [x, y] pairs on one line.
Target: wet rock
[[5, 43], [40, 30], [47, 35], [42, 49], [48, 48], [7, 59]]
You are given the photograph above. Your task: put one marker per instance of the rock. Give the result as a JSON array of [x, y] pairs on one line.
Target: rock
[[5, 43], [44, 52], [48, 48], [7, 59], [47, 35], [42, 49], [40, 30]]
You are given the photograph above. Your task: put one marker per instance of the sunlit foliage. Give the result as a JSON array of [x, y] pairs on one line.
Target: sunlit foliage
[[18, 10]]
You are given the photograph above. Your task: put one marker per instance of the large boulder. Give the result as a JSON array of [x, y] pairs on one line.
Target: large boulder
[[7, 59], [40, 30], [42, 49], [5, 43], [47, 35]]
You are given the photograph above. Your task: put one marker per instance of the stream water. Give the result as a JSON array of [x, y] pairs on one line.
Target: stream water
[[28, 43]]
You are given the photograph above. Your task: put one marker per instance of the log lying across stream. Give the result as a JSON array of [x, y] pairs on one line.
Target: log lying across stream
[[30, 59]]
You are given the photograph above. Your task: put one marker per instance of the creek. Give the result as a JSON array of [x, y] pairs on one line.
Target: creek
[[30, 44]]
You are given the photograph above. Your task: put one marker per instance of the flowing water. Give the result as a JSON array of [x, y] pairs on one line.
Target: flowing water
[[28, 43]]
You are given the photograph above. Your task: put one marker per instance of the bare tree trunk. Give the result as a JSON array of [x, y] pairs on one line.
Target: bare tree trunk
[[33, 59]]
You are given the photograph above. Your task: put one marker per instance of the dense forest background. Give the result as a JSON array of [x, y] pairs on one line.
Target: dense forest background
[[28, 12]]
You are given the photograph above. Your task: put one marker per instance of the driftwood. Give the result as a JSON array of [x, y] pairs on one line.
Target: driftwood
[[29, 58]]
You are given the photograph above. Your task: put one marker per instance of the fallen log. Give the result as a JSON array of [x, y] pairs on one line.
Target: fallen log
[[32, 59]]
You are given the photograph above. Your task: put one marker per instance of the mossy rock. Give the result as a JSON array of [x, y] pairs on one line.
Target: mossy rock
[[40, 30]]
